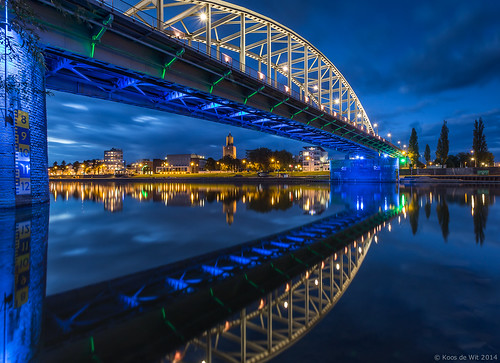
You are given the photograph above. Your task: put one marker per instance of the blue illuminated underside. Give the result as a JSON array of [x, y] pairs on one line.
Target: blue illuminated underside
[[96, 79]]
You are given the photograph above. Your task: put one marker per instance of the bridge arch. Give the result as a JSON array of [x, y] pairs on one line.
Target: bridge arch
[[212, 60], [258, 46]]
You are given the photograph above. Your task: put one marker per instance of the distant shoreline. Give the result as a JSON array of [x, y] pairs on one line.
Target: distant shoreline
[[420, 179], [194, 179]]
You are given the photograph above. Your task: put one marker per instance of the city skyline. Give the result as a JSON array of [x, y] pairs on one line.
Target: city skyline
[[412, 65]]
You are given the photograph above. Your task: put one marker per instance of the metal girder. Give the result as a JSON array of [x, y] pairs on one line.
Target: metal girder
[[59, 64], [171, 96], [202, 18], [193, 102], [184, 101], [210, 105]]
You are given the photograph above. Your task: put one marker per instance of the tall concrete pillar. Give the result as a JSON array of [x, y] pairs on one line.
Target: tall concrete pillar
[[23, 124], [359, 169], [23, 267]]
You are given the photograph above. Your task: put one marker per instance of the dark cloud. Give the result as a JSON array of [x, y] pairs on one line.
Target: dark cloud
[[82, 128], [466, 52], [461, 128], [412, 64]]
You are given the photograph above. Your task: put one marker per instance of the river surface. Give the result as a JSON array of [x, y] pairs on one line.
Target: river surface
[[428, 288]]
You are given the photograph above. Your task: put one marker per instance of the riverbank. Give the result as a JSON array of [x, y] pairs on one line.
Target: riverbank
[[227, 178], [450, 179], [237, 178]]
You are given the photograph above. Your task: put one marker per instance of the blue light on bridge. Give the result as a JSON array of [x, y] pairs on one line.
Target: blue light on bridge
[[239, 259]]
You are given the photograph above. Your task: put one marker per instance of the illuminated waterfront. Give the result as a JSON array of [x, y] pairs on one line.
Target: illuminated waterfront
[[154, 224]]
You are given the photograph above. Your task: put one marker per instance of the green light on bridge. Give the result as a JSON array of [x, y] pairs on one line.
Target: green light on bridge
[[220, 79]]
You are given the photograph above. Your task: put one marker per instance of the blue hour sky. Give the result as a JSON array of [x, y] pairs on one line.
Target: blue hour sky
[[411, 63]]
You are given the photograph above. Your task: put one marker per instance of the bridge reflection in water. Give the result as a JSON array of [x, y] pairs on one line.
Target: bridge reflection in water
[[276, 321], [242, 303]]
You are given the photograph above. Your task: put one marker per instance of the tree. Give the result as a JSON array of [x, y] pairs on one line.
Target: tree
[[23, 22], [479, 141], [452, 162], [284, 158], [443, 145], [211, 164], [443, 215], [413, 152], [228, 163], [489, 159], [427, 154], [463, 158], [261, 157]]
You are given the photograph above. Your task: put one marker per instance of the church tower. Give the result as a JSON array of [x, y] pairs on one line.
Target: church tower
[[229, 149]]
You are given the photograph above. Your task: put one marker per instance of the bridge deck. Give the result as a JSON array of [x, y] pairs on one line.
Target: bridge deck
[[138, 65]]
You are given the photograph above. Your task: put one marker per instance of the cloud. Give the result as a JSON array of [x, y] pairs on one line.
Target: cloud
[[60, 141], [141, 133], [76, 106], [463, 53], [144, 119], [411, 64]]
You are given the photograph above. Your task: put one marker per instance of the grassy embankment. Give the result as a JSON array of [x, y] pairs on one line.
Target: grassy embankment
[[245, 174]]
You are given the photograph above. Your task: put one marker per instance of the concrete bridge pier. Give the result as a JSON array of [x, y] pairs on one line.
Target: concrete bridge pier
[[23, 268], [23, 123], [359, 169]]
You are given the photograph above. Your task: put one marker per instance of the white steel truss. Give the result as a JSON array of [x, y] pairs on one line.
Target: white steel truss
[[257, 45]]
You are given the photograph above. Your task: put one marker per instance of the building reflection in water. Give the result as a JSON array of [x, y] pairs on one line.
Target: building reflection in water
[[262, 198]]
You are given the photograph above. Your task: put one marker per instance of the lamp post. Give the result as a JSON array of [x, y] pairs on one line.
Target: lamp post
[[472, 157], [389, 135], [376, 127]]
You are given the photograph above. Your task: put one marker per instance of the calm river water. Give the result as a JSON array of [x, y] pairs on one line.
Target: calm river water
[[428, 288]]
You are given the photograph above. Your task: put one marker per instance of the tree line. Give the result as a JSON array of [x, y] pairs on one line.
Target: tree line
[[479, 155], [257, 159]]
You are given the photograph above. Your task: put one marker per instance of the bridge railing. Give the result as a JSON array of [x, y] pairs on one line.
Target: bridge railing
[[152, 21]]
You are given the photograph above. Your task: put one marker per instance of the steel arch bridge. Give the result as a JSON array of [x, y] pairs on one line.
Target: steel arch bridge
[[206, 59], [257, 44]]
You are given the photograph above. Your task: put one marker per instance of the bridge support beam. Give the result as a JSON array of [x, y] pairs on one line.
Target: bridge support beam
[[23, 132], [23, 248], [383, 169]]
